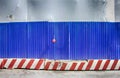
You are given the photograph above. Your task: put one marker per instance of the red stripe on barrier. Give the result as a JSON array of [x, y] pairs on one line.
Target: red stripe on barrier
[[98, 65], [55, 66], [11, 64], [30, 64], [106, 65], [39, 64], [114, 64], [47, 65], [89, 65], [81, 66], [3, 63], [21, 63], [73, 66], [63, 66], [119, 68]]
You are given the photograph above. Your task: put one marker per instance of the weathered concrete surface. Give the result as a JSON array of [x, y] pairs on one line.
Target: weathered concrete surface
[[117, 10], [110, 10], [56, 10], [58, 74]]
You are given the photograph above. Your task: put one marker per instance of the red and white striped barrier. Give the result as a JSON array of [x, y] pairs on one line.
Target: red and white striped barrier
[[62, 65], [22, 63]]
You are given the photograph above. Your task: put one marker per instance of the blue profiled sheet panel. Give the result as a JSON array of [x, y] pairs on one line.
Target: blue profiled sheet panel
[[13, 40], [3, 41], [74, 40], [95, 40], [40, 36]]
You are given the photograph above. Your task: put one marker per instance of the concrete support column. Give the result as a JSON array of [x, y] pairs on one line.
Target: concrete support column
[[110, 10]]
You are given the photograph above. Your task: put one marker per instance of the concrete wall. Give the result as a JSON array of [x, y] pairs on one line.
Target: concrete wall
[[117, 10], [56, 10]]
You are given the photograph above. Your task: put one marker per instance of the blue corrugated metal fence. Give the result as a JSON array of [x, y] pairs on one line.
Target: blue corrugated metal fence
[[74, 40]]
